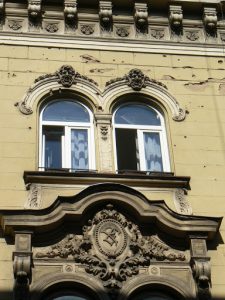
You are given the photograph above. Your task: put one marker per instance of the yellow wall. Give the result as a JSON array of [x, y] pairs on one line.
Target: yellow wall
[[197, 143]]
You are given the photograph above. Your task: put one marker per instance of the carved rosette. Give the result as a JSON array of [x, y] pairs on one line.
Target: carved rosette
[[111, 248]]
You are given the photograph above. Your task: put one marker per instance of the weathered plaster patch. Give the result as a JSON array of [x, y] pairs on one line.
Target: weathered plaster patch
[[89, 59], [101, 71], [168, 77]]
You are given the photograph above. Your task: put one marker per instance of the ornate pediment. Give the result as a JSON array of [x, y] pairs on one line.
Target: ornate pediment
[[111, 248]]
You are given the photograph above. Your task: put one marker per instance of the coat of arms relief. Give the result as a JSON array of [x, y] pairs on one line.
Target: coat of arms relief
[[111, 248]]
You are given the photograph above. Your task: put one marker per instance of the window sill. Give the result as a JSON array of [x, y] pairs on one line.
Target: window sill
[[133, 179]]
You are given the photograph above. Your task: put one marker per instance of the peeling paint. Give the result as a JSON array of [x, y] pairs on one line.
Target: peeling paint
[[89, 59], [197, 85], [101, 71], [168, 77], [222, 88]]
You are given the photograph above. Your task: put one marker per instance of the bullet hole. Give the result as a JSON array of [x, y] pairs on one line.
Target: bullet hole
[[164, 55], [175, 145], [187, 111], [220, 61], [202, 105], [114, 60], [193, 75], [178, 59], [30, 127], [185, 136], [204, 166]]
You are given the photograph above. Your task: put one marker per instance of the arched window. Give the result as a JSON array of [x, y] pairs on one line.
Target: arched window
[[140, 139], [66, 136]]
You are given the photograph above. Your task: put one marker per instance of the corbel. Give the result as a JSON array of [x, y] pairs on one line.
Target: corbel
[[70, 11], [141, 16], [22, 263], [210, 20], [176, 18], [105, 14], [34, 11], [201, 268], [2, 10]]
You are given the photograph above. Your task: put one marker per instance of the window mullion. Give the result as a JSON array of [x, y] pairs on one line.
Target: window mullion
[[67, 148]]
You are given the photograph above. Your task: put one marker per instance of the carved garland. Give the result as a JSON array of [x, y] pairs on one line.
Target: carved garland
[[111, 248]]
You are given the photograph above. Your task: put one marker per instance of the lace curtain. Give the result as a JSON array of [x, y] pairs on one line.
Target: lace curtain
[[79, 149], [153, 155]]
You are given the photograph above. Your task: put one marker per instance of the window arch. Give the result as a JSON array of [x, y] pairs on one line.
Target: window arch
[[140, 138], [66, 136]]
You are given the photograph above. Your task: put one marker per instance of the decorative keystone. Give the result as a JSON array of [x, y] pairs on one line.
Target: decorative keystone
[[141, 15], [210, 19], [70, 11], [176, 17], [105, 14]]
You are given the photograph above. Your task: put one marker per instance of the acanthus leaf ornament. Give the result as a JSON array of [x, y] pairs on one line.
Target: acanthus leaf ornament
[[111, 248]]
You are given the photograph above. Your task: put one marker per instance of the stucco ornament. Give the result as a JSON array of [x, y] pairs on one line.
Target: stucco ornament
[[136, 79], [210, 19], [70, 10], [34, 9], [105, 14], [111, 248]]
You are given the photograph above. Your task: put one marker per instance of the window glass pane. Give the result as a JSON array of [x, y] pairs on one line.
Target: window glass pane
[[137, 114], [53, 146], [66, 111], [153, 154], [127, 149], [79, 149]]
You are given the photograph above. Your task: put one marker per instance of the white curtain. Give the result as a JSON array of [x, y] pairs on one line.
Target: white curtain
[[153, 155], [79, 149]]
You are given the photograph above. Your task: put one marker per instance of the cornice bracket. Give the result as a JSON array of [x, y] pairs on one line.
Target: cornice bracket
[[176, 18], [34, 11], [200, 264], [210, 20], [2, 9], [141, 16], [105, 15], [70, 11], [22, 262]]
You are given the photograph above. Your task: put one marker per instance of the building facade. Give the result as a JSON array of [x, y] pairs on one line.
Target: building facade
[[112, 150]]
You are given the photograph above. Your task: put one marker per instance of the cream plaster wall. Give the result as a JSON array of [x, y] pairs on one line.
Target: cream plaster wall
[[197, 144]]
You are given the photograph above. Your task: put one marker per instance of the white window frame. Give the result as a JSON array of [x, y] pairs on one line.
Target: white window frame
[[66, 139], [140, 137]]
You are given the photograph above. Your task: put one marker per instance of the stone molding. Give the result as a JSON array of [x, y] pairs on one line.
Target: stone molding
[[107, 24], [66, 77], [143, 210]]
